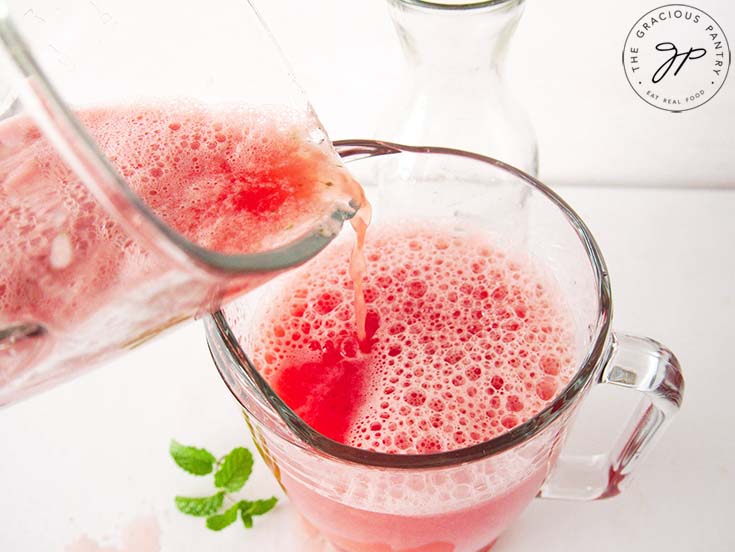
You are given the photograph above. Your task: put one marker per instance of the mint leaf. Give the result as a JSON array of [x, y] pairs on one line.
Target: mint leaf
[[194, 460], [249, 509], [219, 522], [258, 507], [235, 470], [204, 506]]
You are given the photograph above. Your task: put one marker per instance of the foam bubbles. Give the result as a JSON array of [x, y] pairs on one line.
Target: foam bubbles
[[235, 180], [468, 341]]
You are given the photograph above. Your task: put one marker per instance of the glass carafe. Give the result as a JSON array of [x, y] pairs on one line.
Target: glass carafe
[[88, 268], [453, 93]]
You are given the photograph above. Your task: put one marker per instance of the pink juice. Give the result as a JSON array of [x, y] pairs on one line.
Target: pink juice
[[233, 180], [464, 341]]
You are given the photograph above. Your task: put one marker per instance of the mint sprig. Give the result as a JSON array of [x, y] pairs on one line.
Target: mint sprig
[[233, 471]]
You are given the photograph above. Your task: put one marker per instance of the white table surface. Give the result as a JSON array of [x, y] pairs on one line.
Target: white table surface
[[91, 456]]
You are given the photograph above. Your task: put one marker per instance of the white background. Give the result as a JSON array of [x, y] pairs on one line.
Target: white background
[[91, 456], [566, 68]]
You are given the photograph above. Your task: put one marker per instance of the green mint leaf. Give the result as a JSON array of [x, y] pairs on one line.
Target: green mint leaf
[[194, 460], [235, 470], [204, 506], [259, 507], [220, 521], [248, 509]]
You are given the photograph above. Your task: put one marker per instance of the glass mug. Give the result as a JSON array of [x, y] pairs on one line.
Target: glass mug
[[60, 312], [461, 500]]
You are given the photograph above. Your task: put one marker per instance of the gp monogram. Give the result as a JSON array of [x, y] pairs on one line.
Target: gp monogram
[[676, 57]]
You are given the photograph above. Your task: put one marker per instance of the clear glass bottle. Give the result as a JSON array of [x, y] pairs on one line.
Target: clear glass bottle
[[453, 93]]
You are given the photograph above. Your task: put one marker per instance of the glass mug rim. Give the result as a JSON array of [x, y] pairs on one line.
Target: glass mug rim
[[598, 350], [48, 109]]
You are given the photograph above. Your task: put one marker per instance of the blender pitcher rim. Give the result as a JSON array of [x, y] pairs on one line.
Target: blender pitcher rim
[[51, 113], [598, 352]]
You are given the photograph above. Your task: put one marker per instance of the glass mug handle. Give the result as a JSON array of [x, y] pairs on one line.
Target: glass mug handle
[[643, 365]]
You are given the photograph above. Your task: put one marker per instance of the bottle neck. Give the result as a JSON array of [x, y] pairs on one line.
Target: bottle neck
[[446, 40]]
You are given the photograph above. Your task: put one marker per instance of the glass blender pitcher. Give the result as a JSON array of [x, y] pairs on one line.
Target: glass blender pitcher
[[89, 269]]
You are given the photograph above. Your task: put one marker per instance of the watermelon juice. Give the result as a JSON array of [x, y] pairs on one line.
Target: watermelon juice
[[464, 340], [231, 180]]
